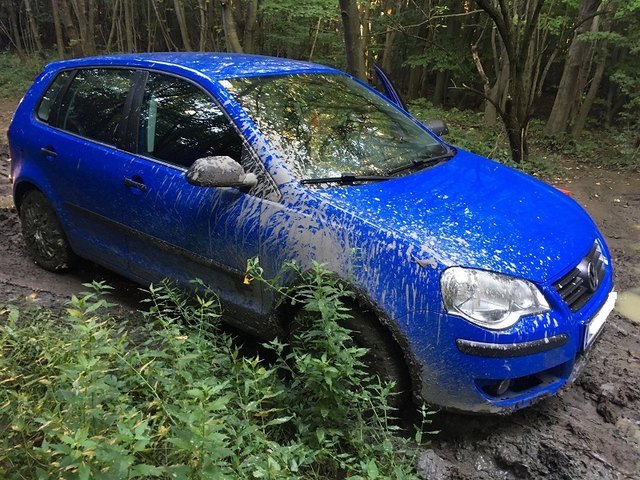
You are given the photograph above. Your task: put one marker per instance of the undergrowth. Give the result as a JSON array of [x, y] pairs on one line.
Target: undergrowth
[[80, 399], [17, 74], [610, 148]]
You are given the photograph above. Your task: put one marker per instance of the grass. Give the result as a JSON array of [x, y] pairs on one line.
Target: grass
[[80, 398], [17, 74]]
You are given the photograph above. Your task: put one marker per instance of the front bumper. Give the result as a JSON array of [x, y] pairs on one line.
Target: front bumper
[[474, 370]]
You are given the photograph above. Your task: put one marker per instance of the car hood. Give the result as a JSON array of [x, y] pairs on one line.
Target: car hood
[[476, 213]]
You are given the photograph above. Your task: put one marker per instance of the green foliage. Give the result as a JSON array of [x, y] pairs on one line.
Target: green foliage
[[81, 399], [468, 130], [16, 74]]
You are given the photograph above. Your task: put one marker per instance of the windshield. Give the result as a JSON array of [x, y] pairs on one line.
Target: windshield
[[330, 125]]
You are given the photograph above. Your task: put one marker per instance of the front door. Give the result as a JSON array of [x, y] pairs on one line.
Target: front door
[[178, 230]]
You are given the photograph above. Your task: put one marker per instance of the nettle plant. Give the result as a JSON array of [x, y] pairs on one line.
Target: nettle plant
[[89, 396]]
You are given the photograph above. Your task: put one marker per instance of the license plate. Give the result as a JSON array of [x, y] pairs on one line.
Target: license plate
[[594, 327]]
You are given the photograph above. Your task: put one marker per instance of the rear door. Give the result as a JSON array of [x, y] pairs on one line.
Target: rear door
[[78, 136]]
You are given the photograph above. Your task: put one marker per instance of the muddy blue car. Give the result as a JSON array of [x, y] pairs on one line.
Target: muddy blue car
[[479, 288]]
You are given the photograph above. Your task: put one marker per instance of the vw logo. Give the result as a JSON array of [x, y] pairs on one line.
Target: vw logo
[[592, 277]]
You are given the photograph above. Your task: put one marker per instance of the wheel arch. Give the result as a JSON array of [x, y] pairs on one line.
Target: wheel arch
[[284, 313], [20, 189]]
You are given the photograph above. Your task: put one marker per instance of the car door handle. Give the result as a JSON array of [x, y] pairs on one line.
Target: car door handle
[[128, 182], [48, 151]]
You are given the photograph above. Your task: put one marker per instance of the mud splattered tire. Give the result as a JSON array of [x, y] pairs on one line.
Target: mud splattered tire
[[43, 235], [383, 359]]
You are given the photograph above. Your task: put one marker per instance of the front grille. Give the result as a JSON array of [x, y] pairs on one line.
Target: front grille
[[579, 285]]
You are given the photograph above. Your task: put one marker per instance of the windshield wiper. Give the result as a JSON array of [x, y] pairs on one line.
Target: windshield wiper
[[345, 179], [423, 162]]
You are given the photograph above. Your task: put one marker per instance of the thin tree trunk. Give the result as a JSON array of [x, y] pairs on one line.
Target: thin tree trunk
[[230, 27], [90, 39], [75, 44], [114, 19], [440, 89], [204, 25], [250, 26], [568, 90], [161, 23], [33, 24], [315, 38], [15, 31], [58, 28], [352, 40], [389, 40], [585, 108], [128, 27], [178, 8]]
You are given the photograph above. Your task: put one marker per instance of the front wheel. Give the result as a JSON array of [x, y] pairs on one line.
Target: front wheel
[[383, 359], [43, 235]]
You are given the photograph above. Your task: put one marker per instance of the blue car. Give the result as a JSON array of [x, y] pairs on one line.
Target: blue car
[[479, 288]]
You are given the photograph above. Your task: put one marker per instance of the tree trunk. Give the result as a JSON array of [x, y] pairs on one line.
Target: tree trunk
[[58, 27], [90, 39], [389, 40], [178, 8], [352, 40], [440, 90], [204, 25], [569, 90], [517, 134], [128, 27], [230, 27], [517, 24], [585, 108], [15, 31], [250, 26], [33, 24], [75, 44]]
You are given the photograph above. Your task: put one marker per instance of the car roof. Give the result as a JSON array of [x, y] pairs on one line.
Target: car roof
[[215, 66]]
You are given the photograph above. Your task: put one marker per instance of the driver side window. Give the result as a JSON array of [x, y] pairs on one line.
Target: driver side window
[[180, 123]]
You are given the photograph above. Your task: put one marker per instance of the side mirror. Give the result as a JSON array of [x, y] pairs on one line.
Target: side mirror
[[439, 127], [220, 171]]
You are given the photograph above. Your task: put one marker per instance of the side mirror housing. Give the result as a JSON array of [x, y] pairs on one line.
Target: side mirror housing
[[439, 127], [220, 171]]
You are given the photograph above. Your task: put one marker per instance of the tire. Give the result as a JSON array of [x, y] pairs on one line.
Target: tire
[[384, 358], [43, 234]]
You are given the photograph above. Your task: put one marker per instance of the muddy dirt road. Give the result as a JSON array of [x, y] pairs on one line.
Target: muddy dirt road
[[591, 430]]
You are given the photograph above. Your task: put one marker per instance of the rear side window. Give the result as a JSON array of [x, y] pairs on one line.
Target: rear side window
[[49, 97], [180, 123], [93, 105]]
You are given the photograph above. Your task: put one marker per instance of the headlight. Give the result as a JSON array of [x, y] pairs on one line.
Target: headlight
[[489, 299]]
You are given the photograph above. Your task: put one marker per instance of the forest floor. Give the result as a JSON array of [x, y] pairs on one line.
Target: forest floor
[[590, 430]]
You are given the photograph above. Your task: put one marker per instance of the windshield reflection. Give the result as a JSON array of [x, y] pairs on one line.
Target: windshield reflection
[[327, 125]]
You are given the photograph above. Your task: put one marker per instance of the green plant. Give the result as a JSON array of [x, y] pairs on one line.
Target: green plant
[[328, 385], [80, 399], [604, 148]]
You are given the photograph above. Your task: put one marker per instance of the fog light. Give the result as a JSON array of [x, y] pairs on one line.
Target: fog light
[[499, 388]]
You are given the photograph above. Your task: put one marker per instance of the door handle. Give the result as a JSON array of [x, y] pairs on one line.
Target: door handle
[[48, 151], [128, 182]]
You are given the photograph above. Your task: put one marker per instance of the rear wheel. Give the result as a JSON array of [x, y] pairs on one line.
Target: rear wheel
[[43, 234]]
